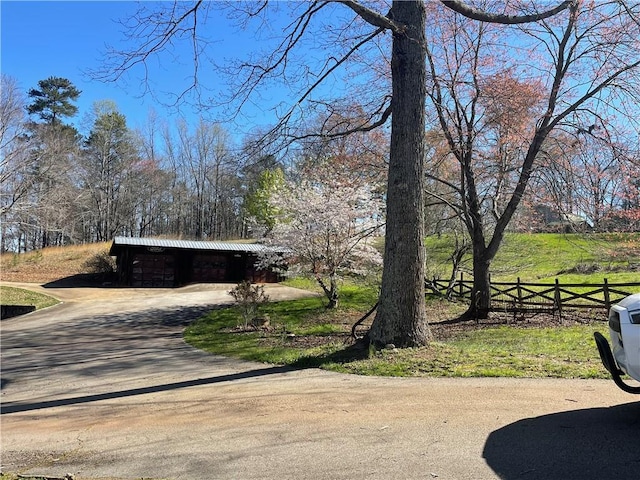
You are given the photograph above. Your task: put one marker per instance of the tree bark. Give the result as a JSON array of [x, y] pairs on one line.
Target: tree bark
[[331, 291], [481, 291], [401, 316]]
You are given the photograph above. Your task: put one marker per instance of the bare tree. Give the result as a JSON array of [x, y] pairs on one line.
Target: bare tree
[[13, 157], [153, 181], [206, 187], [584, 181], [401, 316], [589, 64]]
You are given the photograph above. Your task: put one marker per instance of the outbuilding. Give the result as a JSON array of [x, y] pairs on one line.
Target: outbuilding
[[154, 262]]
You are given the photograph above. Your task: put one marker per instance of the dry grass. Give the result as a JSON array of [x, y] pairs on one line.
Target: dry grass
[[48, 264]]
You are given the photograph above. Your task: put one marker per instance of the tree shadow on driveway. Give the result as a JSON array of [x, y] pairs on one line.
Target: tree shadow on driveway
[[100, 344], [7, 408], [590, 444]]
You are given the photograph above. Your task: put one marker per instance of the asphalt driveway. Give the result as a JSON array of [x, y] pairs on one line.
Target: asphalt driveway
[[103, 386]]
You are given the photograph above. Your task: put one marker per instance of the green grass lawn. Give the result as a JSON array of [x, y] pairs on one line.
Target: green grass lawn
[[20, 296], [303, 333], [563, 352], [290, 323]]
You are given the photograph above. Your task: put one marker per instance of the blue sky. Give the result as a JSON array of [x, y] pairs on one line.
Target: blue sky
[[66, 39]]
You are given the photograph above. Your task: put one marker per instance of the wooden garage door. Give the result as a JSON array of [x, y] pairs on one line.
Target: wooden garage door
[[209, 268], [153, 271]]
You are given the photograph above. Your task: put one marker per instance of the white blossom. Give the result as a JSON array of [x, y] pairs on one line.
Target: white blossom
[[326, 224]]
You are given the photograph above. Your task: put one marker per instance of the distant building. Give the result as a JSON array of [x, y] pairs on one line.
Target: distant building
[[153, 262], [554, 221]]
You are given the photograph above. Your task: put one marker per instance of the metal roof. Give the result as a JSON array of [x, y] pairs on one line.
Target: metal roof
[[189, 244]]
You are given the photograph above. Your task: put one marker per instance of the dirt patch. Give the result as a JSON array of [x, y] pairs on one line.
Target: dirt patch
[[445, 329], [310, 341]]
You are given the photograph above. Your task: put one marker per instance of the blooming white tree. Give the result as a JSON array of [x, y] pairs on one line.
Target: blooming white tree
[[326, 221]]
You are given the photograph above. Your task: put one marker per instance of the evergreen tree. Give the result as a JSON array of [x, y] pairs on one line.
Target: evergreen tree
[[107, 169], [53, 99]]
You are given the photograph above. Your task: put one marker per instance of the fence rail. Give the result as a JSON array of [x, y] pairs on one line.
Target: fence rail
[[556, 297]]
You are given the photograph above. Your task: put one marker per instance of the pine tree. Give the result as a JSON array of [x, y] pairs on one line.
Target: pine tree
[[53, 98]]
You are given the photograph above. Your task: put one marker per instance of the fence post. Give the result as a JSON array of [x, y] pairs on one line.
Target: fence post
[[557, 298], [519, 289], [607, 297], [461, 289]]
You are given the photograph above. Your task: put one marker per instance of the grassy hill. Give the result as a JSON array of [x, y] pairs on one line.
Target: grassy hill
[[543, 257]]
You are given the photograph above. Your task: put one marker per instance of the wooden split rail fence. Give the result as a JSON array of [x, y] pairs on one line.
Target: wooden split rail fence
[[543, 297]]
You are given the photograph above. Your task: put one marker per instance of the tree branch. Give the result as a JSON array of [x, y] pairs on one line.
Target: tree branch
[[372, 17], [475, 14]]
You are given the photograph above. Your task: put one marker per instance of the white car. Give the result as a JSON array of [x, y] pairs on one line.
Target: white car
[[624, 331]]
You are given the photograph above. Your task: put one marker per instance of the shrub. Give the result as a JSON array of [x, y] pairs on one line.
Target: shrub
[[101, 263], [249, 298]]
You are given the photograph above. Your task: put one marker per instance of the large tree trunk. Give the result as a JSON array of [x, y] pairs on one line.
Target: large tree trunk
[[401, 319], [483, 255], [481, 291]]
